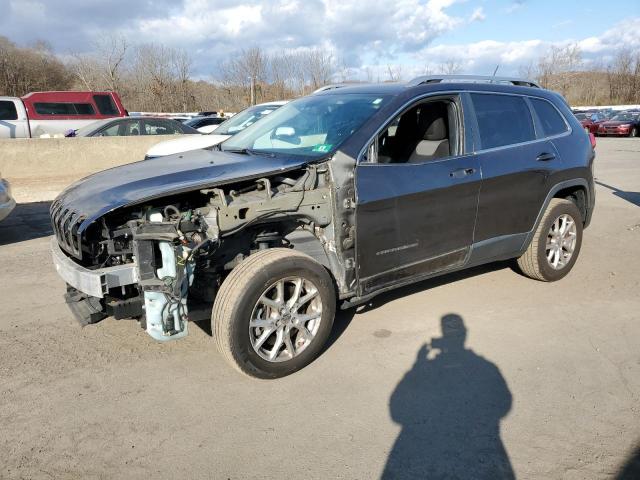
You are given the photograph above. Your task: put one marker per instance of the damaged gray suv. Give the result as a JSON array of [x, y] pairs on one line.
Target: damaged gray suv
[[328, 201]]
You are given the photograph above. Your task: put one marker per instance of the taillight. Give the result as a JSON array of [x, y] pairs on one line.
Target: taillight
[[592, 138]]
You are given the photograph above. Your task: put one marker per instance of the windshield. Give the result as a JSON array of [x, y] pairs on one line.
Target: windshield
[[87, 129], [242, 120], [312, 126], [624, 117], [192, 121]]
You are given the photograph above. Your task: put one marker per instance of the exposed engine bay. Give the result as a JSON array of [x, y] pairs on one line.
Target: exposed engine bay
[[181, 247]]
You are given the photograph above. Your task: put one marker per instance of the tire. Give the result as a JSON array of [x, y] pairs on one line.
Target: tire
[[240, 302], [534, 263], [634, 132]]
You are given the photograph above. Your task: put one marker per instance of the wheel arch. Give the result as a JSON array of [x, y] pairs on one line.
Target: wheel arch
[[576, 190]]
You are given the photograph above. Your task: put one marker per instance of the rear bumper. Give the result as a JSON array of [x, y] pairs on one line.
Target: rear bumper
[[95, 283]]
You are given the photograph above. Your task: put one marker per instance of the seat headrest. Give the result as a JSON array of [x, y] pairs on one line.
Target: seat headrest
[[436, 131]]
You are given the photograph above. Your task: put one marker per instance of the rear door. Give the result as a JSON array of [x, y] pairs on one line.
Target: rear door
[[13, 119], [516, 161], [415, 218]]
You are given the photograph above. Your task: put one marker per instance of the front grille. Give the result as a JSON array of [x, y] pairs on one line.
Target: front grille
[[65, 222]]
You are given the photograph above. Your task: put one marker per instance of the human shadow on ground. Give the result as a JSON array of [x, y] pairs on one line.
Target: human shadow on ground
[[449, 406], [26, 222], [631, 197], [631, 469]]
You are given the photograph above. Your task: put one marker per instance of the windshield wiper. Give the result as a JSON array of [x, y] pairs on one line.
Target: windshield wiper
[[241, 151], [260, 152], [249, 151]]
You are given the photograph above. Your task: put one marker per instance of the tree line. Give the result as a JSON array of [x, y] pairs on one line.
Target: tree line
[[155, 77]]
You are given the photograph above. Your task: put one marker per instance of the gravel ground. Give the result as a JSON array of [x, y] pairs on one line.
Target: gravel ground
[[547, 384]]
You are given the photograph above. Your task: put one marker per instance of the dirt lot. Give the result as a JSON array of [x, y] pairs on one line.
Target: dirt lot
[[549, 384]]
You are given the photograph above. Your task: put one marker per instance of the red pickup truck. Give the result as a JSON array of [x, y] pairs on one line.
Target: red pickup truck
[[41, 113]]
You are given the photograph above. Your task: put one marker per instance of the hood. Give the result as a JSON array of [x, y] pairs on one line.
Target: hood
[[137, 182], [185, 143]]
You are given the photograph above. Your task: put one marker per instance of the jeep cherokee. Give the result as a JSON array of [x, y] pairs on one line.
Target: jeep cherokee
[[330, 200]]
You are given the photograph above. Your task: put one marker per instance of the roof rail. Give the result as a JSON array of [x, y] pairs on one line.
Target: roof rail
[[332, 86], [521, 82]]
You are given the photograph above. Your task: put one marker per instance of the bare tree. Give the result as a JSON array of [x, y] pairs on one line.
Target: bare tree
[[29, 69], [394, 73], [247, 69], [317, 64], [104, 66], [450, 66]]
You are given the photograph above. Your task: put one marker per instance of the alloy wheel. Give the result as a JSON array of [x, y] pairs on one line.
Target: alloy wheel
[[561, 241], [285, 319]]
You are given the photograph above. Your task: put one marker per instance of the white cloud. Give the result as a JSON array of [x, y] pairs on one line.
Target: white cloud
[[381, 28], [362, 33], [515, 6], [477, 15], [483, 56]]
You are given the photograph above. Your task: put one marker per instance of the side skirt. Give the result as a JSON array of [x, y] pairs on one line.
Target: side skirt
[[487, 251]]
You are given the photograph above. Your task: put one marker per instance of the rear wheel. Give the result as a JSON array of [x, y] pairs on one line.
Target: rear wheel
[[556, 243], [274, 313], [634, 132]]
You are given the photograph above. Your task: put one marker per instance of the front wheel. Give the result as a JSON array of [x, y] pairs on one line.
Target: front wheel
[[556, 243], [274, 313], [634, 132]]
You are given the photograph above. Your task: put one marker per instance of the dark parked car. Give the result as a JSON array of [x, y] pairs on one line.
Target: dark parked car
[[200, 122], [625, 124], [328, 201], [130, 126]]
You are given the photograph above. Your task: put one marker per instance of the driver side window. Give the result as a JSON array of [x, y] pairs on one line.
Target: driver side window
[[423, 133]]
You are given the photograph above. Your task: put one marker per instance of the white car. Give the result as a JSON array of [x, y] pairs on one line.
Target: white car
[[227, 129], [7, 203]]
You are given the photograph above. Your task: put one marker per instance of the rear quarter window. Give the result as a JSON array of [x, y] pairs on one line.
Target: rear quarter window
[[502, 120], [552, 122], [161, 127]]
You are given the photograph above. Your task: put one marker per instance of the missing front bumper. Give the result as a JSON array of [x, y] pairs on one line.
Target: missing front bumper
[[95, 283]]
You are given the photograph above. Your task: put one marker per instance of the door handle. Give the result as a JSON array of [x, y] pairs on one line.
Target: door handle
[[462, 172], [545, 157]]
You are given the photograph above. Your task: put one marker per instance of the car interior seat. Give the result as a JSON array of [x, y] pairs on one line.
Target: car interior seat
[[435, 143]]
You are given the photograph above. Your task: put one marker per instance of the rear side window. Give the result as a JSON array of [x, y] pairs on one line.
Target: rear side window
[[552, 121], [51, 108], [502, 120], [8, 111], [161, 127], [106, 105]]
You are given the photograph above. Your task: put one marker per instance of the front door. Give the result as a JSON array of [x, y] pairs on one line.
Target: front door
[[416, 215]]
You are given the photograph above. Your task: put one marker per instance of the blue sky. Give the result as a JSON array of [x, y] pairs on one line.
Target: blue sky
[[366, 36], [539, 19]]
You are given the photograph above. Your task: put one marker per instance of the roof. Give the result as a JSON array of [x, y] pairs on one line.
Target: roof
[[437, 83]]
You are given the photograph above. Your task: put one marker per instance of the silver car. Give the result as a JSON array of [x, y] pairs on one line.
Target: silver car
[[7, 203]]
